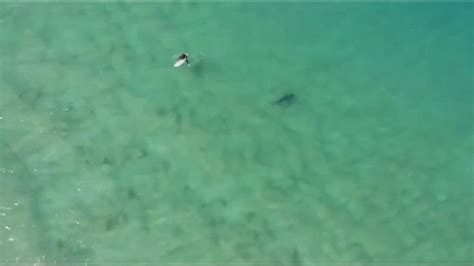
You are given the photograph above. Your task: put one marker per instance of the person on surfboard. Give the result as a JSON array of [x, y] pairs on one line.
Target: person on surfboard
[[183, 58]]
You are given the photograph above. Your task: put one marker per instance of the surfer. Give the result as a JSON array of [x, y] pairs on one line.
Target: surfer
[[183, 58]]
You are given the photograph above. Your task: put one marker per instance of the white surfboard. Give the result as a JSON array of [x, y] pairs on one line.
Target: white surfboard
[[180, 62]]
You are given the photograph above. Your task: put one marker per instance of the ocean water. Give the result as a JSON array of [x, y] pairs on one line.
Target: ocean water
[[108, 154]]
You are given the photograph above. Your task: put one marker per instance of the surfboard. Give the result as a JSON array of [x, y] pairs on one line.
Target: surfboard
[[180, 62]]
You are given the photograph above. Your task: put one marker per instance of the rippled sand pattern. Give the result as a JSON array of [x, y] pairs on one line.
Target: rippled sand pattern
[[108, 154]]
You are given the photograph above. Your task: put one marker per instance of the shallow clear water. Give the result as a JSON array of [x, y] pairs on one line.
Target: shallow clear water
[[109, 154]]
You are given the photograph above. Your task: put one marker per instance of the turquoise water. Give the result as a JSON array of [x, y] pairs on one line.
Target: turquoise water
[[109, 154]]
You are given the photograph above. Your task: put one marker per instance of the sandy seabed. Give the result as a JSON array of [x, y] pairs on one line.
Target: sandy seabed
[[110, 155]]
